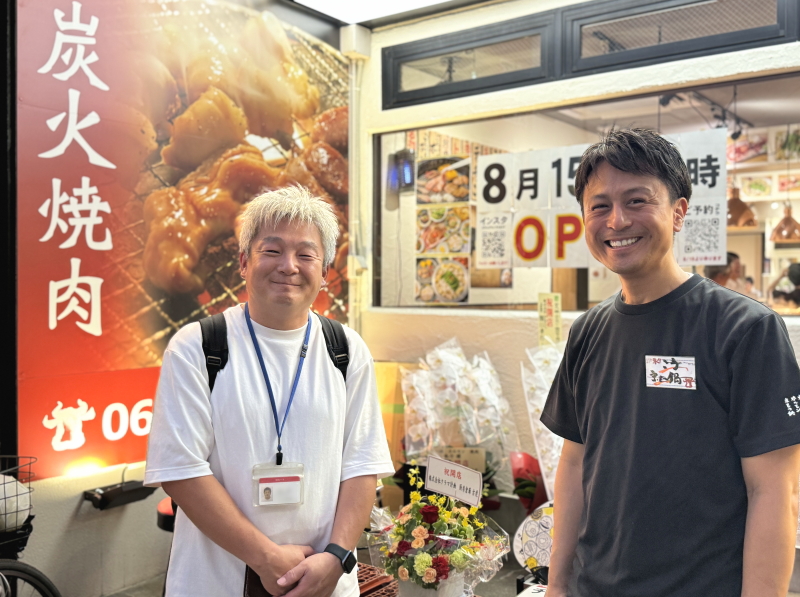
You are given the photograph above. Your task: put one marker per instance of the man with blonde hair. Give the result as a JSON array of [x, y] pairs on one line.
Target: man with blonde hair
[[227, 414]]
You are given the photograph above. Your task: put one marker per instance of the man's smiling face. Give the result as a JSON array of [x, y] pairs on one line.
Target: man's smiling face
[[284, 266], [630, 221]]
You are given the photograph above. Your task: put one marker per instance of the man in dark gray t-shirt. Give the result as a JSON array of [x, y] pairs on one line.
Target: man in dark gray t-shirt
[[679, 401]]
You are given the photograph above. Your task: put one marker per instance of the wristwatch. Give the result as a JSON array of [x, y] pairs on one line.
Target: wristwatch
[[347, 558]]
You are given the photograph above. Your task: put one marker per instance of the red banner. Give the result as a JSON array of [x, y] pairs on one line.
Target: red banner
[[124, 138]]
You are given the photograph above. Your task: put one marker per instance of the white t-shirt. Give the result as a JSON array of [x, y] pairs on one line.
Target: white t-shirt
[[336, 433]]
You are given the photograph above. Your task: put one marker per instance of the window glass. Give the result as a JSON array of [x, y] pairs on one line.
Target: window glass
[[433, 181], [483, 61], [683, 23]]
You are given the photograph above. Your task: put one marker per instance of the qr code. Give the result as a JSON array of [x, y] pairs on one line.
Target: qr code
[[493, 244], [702, 235]]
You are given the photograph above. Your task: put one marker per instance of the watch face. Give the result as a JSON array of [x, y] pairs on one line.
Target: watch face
[[349, 562]]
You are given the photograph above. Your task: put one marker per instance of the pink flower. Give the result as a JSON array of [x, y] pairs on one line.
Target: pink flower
[[404, 518], [417, 543], [405, 508], [464, 512], [402, 573], [429, 576], [420, 532]]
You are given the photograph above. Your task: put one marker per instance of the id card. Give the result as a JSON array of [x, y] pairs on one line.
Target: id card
[[275, 485]]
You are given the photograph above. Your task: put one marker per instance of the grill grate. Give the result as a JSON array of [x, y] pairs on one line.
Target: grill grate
[[139, 318]]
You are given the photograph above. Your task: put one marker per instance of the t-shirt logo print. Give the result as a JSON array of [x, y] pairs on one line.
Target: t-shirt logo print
[[670, 372], [792, 405]]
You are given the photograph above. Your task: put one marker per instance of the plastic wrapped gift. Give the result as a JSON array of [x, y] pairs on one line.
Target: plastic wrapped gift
[[437, 544], [537, 378], [452, 401]]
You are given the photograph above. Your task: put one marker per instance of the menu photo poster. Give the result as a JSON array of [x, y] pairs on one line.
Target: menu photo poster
[[127, 125], [443, 225]]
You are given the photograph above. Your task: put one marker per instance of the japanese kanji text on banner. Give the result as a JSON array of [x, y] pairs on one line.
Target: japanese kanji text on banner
[[139, 143], [528, 214]]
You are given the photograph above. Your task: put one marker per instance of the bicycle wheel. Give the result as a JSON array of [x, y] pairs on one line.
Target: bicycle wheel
[[21, 580]]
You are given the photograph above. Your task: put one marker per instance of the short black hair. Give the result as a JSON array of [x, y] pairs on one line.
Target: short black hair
[[637, 151], [794, 274]]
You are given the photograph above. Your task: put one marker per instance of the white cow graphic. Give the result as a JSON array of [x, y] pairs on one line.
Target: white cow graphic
[[68, 419]]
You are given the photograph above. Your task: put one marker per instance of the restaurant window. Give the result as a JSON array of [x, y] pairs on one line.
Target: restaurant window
[[578, 40], [498, 56], [445, 240], [676, 24], [523, 53]]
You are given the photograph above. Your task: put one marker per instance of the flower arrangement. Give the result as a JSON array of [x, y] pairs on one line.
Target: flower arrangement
[[435, 539]]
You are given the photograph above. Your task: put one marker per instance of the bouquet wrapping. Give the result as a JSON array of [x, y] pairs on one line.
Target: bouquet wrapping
[[452, 401], [437, 543]]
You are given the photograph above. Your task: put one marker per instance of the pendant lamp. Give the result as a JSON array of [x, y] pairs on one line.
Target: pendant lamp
[[788, 229], [739, 213]]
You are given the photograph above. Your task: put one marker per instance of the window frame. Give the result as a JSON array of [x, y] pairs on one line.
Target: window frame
[[393, 57], [578, 16], [560, 31]]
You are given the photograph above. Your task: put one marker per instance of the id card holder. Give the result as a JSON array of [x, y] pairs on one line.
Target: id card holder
[[278, 485]]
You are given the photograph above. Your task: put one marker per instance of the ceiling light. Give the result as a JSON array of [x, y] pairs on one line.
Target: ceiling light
[[352, 11]]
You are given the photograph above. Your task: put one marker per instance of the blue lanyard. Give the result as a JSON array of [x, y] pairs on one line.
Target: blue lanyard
[[278, 428]]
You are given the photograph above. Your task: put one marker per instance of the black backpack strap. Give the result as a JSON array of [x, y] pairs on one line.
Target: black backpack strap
[[215, 345], [336, 341]]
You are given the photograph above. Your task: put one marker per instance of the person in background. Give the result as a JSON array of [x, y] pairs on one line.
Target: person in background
[[205, 447], [735, 280], [718, 273], [750, 288], [679, 404], [784, 296]]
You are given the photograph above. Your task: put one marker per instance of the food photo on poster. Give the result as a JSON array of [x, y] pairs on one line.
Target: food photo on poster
[[136, 160]]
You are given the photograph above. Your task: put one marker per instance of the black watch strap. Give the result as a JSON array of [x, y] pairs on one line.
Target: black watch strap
[[347, 558]]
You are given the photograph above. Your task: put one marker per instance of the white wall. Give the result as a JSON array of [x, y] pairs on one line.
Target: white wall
[[87, 552]]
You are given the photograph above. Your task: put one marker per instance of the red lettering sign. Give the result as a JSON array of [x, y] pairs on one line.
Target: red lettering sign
[[569, 229], [541, 237]]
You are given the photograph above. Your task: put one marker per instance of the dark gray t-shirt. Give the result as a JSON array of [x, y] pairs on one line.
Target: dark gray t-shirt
[[665, 500]]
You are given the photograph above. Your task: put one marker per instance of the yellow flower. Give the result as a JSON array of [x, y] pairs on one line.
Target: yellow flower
[[402, 573], [417, 543], [479, 524], [473, 510], [465, 523], [384, 549], [413, 462], [420, 484], [429, 576], [414, 470], [415, 496], [444, 515]]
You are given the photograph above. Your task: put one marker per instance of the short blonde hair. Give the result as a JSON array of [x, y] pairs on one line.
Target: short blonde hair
[[290, 204]]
